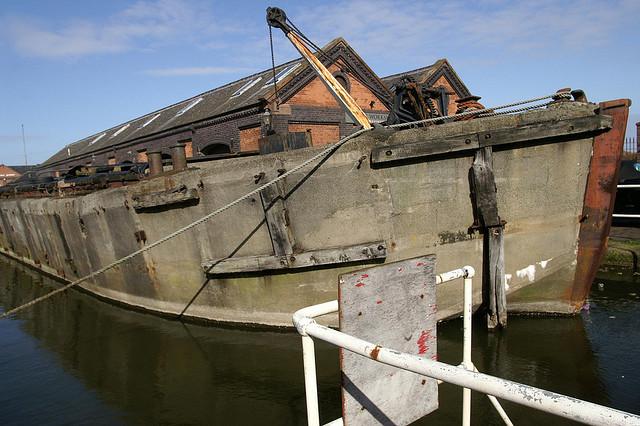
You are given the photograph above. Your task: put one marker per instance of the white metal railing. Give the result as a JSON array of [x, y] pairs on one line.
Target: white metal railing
[[628, 216], [465, 375]]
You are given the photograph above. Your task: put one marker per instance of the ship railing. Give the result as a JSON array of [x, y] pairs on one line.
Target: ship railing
[[464, 375]]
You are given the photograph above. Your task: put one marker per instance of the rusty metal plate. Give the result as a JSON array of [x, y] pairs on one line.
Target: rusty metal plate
[[600, 197], [394, 306]]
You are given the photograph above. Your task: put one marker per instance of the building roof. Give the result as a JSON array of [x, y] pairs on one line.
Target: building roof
[[4, 169], [23, 169], [205, 105], [247, 92], [418, 74], [430, 75], [241, 94]]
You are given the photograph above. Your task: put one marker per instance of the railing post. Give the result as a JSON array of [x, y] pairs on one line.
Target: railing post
[[466, 348], [310, 383]]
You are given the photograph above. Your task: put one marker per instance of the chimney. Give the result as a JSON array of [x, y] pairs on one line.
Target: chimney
[[178, 157], [155, 162]]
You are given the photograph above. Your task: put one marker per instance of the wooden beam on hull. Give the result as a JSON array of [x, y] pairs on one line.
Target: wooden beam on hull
[[174, 197], [540, 132], [376, 250], [484, 197], [276, 214]]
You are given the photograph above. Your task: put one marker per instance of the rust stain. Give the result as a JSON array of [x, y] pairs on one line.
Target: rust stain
[[360, 285], [599, 199], [420, 264], [378, 302], [422, 342], [364, 276], [375, 351]]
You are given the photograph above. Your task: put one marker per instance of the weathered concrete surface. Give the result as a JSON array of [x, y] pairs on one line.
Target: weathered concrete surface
[[416, 208]]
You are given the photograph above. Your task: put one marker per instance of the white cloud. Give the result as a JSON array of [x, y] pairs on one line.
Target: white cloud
[[404, 28], [140, 26], [191, 71]]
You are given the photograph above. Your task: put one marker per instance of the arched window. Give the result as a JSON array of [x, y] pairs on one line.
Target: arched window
[[216, 148], [343, 80]]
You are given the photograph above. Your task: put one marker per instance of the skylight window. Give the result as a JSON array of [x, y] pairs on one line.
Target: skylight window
[[97, 139], [188, 107], [146, 123], [248, 85], [283, 73], [122, 129]]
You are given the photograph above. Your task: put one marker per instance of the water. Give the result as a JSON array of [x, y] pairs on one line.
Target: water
[[76, 360]]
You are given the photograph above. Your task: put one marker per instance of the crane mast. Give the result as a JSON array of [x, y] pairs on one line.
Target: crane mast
[[278, 19]]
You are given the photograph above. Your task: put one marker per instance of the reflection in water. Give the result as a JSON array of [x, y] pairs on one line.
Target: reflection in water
[[75, 359]]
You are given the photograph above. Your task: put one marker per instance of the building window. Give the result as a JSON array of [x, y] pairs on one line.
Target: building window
[[249, 139], [282, 73], [141, 157], [97, 138], [321, 133], [216, 148], [248, 85], [188, 148], [189, 106], [343, 80], [149, 121], [122, 129]]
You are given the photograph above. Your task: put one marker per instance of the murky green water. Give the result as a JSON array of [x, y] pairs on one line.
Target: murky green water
[[76, 360]]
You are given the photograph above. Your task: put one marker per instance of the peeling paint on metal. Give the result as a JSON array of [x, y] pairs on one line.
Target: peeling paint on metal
[[374, 352]]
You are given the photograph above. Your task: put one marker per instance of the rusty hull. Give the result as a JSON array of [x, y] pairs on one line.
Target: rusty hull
[[600, 197]]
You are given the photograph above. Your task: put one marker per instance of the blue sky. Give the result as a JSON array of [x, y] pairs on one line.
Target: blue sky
[[69, 69]]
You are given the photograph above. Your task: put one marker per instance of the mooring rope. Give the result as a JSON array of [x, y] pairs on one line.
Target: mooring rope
[[321, 155]]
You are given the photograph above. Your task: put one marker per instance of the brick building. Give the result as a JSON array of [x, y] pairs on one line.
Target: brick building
[[230, 119], [8, 174]]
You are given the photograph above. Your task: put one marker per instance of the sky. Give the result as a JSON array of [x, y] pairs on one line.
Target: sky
[[69, 69]]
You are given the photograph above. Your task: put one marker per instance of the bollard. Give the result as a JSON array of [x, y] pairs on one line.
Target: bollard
[[155, 162], [178, 157]]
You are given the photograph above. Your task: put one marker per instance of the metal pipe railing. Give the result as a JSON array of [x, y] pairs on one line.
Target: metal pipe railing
[[629, 216], [469, 379], [466, 345], [302, 319]]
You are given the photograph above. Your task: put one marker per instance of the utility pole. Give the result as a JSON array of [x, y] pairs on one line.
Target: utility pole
[[24, 146]]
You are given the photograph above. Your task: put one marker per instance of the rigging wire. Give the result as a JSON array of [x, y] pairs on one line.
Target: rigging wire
[[385, 97], [273, 68]]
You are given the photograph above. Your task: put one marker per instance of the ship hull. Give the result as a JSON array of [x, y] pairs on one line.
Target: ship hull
[[550, 192]]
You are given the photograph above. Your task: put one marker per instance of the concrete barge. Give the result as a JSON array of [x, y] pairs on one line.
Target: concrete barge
[[383, 196]]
